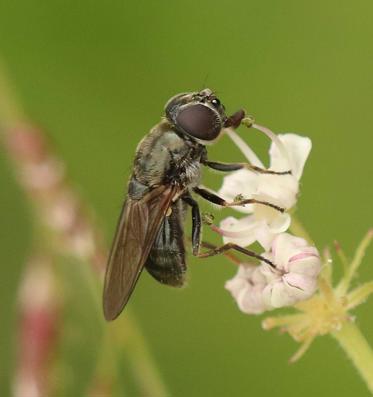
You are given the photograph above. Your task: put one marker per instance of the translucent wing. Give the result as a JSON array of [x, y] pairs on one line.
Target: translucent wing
[[138, 226]]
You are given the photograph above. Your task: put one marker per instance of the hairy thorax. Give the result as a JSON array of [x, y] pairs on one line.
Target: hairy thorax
[[164, 156]]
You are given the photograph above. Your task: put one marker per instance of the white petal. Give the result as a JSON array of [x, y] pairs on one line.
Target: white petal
[[282, 189], [280, 223], [243, 231], [276, 295], [277, 142], [246, 288], [304, 252], [295, 276], [276, 221], [257, 276], [264, 236], [243, 182], [270, 274], [299, 286], [235, 286], [250, 300], [298, 149], [310, 266], [286, 246]]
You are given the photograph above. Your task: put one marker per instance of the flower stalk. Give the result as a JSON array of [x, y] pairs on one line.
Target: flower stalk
[[357, 349]]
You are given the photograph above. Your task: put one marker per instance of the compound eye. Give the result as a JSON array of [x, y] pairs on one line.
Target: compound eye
[[215, 102], [199, 121]]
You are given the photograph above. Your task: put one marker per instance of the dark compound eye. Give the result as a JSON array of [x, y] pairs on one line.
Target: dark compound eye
[[215, 102], [199, 121]]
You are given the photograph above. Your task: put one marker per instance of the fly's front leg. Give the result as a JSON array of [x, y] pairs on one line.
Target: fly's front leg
[[215, 199], [227, 167], [196, 223], [235, 120]]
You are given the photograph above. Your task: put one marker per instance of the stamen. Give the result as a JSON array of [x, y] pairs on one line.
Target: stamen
[[282, 321], [303, 348]]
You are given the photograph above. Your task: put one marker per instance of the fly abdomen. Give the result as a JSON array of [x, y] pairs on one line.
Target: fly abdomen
[[167, 266], [166, 261]]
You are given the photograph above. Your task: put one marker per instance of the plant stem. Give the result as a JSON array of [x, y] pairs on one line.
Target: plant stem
[[357, 348], [145, 371]]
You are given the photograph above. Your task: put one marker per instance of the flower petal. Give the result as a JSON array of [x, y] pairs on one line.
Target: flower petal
[[309, 266], [280, 223], [270, 274], [277, 295], [243, 182], [239, 231], [250, 300], [298, 148], [246, 288], [264, 235], [286, 247], [300, 286], [282, 189]]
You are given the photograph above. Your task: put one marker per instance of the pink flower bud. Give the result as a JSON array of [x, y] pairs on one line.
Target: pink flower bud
[[246, 288], [292, 278], [295, 276]]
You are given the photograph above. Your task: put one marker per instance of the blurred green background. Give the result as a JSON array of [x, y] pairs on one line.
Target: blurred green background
[[96, 76]]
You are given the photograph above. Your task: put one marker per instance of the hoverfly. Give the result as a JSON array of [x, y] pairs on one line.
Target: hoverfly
[[167, 169]]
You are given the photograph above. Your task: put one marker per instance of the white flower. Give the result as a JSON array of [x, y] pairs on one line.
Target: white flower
[[292, 278], [287, 152], [247, 288]]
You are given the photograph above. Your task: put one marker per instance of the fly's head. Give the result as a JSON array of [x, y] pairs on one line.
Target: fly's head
[[199, 115]]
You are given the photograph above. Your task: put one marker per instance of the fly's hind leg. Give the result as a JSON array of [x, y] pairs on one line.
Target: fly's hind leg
[[231, 246], [196, 223]]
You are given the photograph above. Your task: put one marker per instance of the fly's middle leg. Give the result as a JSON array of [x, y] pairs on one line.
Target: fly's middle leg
[[196, 223], [228, 167], [215, 199]]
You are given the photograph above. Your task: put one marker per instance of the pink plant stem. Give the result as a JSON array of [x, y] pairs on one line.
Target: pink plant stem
[[38, 330], [59, 210], [60, 213]]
